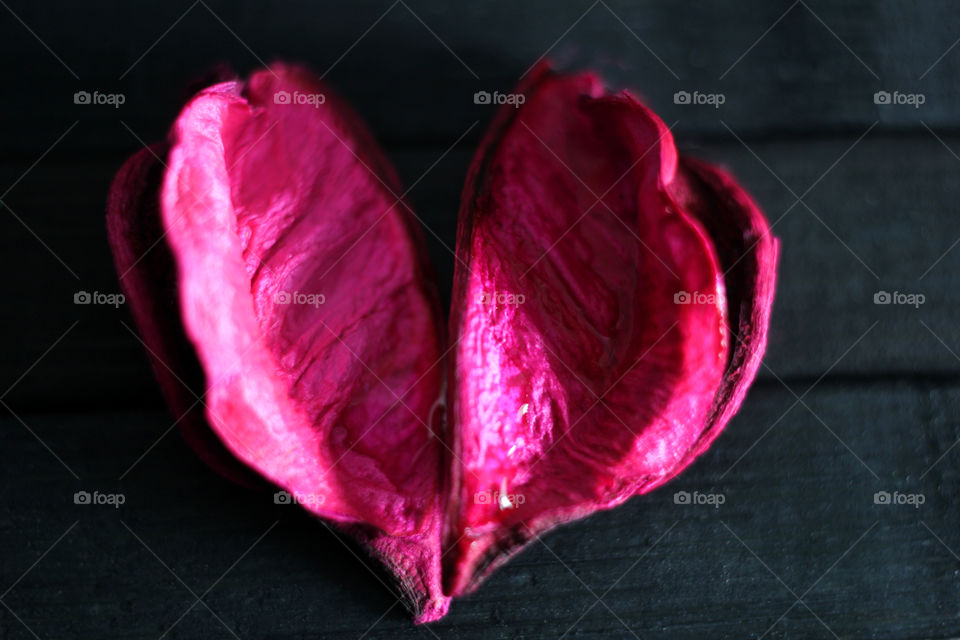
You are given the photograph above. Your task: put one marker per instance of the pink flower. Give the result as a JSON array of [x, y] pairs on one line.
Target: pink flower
[[610, 308]]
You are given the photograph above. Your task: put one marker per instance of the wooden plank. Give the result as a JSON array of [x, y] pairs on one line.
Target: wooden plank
[[795, 506], [798, 478], [785, 67]]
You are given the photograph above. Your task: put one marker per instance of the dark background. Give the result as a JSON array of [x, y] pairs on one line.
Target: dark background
[[855, 398]]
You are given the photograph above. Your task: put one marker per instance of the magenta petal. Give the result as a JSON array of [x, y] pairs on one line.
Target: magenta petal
[[146, 267], [579, 381], [274, 212], [610, 309], [748, 254]]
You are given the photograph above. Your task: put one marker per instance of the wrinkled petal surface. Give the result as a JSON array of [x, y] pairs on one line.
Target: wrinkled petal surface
[[590, 314], [300, 284], [610, 309]]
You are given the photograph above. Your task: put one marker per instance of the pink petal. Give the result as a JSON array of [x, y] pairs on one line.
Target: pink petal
[[323, 392], [598, 385]]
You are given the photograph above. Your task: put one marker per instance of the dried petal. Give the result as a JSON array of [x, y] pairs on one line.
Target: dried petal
[[147, 274], [589, 305], [748, 256], [300, 280], [591, 355]]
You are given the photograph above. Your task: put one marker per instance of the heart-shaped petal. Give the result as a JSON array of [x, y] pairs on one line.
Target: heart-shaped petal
[[610, 309]]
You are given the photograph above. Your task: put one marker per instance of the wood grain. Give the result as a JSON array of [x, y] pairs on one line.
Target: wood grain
[[855, 398]]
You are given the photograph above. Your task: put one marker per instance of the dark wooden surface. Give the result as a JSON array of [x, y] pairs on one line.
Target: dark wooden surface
[[855, 398]]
